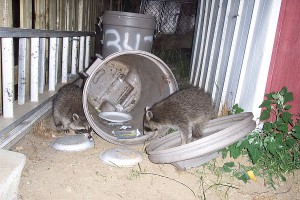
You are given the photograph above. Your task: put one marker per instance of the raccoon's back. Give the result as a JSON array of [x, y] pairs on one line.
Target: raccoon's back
[[195, 101], [68, 101], [188, 103]]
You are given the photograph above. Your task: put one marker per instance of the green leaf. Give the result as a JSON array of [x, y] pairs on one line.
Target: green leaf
[[229, 164], [235, 152], [267, 140], [275, 96], [264, 115], [238, 144], [272, 148], [288, 157], [239, 110], [287, 107], [290, 141], [244, 177], [244, 144], [251, 140], [283, 128], [273, 125], [296, 135], [288, 97], [283, 91], [265, 103], [296, 128], [282, 177], [224, 152], [279, 138], [236, 109], [296, 131], [286, 116], [269, 96], [254, 153], [226, 169], [267, 127], [282, 166]]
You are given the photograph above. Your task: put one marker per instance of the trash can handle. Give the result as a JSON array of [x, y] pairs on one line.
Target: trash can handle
[[97, 62]]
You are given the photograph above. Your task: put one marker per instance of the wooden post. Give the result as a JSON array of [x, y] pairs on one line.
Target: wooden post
[[40, 14]]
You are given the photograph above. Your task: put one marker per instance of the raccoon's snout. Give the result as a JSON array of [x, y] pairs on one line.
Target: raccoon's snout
[[148, 129]]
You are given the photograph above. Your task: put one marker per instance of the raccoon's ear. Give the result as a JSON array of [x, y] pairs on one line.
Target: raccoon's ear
[[75, 117], [147, 108], [149, 115]]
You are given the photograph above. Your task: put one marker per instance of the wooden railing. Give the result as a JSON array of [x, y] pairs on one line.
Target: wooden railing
[[29, 81]]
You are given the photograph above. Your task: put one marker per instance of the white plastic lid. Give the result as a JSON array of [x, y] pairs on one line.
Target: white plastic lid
[[121, 157], [73, 143], [115, 116]]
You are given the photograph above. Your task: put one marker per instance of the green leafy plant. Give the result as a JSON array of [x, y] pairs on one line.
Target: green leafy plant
[[235, 109], [273, 150]]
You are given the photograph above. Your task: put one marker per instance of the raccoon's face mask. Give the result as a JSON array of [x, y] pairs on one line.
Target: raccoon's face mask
[[149, 124]]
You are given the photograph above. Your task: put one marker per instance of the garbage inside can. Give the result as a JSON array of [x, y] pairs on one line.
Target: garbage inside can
[[125, 82]]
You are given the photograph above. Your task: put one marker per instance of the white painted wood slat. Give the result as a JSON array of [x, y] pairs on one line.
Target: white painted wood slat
[[7, 77], [74, 55], [81, 52], [34, 70], [52, 64], [65, 58], [87, 51], [22, 70], [42, 63]]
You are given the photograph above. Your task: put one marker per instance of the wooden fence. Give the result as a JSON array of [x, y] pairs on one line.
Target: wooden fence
[[43, 44]]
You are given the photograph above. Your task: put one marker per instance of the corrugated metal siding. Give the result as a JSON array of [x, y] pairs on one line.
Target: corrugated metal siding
[[230, 49]]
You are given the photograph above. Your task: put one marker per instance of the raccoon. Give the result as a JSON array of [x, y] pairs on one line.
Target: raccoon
[[187, 110], [68, 111]]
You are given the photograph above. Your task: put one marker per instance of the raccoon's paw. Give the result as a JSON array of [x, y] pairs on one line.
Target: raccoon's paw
[[60, 129], [66, 131]]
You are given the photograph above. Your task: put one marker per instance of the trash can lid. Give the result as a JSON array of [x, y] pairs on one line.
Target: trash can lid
[[121, 157], [72, 143], [127, 19]]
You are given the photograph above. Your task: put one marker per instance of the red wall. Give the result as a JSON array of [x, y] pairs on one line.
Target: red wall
[[285, 60]]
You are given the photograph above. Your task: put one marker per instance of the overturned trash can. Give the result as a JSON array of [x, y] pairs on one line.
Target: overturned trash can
[[120, 87], [127, 31], [123, 84]]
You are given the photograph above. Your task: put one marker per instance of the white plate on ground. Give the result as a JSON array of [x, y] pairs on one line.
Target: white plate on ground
[[72, 143], [121, 157], [115, 116]]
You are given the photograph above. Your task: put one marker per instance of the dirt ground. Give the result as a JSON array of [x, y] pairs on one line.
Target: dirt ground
[[50, 174]]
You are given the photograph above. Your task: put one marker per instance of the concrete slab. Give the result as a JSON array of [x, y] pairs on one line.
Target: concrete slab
[[11, 166]]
